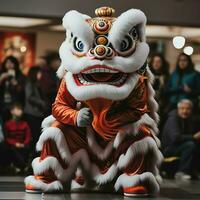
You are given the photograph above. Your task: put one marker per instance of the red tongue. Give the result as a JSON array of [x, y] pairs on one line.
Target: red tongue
[[101, 77]]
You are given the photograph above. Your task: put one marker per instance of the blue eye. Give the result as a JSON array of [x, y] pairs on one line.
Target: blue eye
[[78, 45]]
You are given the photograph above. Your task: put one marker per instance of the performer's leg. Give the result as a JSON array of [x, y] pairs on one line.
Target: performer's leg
[[44, 178], [62, 148], [139, 165]]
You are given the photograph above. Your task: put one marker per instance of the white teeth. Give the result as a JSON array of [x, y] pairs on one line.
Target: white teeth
[[84, 82], [102, 69]]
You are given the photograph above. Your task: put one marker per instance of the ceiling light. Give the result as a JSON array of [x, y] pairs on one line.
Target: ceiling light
[[179, 42], [188, 50], [23, 49], [22, 22], [57, 28]]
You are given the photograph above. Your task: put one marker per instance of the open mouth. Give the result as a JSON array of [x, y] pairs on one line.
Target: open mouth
[[100, 74]]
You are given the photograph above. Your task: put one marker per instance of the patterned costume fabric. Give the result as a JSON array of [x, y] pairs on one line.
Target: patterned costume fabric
[[103, 69]]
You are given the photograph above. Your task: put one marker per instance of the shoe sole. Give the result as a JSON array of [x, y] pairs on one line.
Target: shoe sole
[[135, 195], [47, 192], [34, 191]]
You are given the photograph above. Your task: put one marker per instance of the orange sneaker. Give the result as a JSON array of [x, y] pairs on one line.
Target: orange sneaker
[[135, 191], [30, 189]]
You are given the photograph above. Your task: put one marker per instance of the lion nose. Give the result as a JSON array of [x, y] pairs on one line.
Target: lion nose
[[100, 51]]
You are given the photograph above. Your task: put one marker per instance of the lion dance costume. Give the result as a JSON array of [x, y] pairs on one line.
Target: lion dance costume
[[104, 122]]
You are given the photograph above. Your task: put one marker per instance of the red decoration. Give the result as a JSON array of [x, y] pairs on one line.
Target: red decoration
[[20, 45]]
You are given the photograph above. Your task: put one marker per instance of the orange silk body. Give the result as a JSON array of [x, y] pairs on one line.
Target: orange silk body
[[108, 116]]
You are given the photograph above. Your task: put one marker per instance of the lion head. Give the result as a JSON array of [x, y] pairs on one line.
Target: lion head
[[101, 56]]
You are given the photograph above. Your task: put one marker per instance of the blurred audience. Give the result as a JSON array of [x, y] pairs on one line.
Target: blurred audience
[[183, 83], [17, 139], [11, 85], [181, 138], [41, 62], [49, 80], [35, 106]]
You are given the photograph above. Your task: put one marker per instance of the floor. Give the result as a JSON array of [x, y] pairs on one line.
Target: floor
[[13, 188]]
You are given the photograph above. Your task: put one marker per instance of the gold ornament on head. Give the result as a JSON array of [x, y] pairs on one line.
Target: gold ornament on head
[[104, 12], [103, 20]]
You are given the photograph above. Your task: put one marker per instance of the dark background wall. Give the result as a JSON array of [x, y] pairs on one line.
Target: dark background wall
[[168, 12]]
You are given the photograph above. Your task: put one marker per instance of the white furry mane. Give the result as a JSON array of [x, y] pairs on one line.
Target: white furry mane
[[124, 23], [75, 22]]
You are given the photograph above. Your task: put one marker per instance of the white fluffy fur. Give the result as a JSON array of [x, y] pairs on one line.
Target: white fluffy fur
[[141, 147], [124, 23], [64, 175], [147, 120], [129, 64], [95, 148], [101, 90], [132, 129], [75, 22], [50, 162], [155, 138], [81, 158], [61, 71], [119, 138], [56, 135], [47, 122], [146, 179], [38, 184], [153, 105], [150, 75], [106, 177]]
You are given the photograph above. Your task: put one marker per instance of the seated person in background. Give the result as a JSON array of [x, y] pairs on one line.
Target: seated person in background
[[181, 138], [11, 85], [17, 139]]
